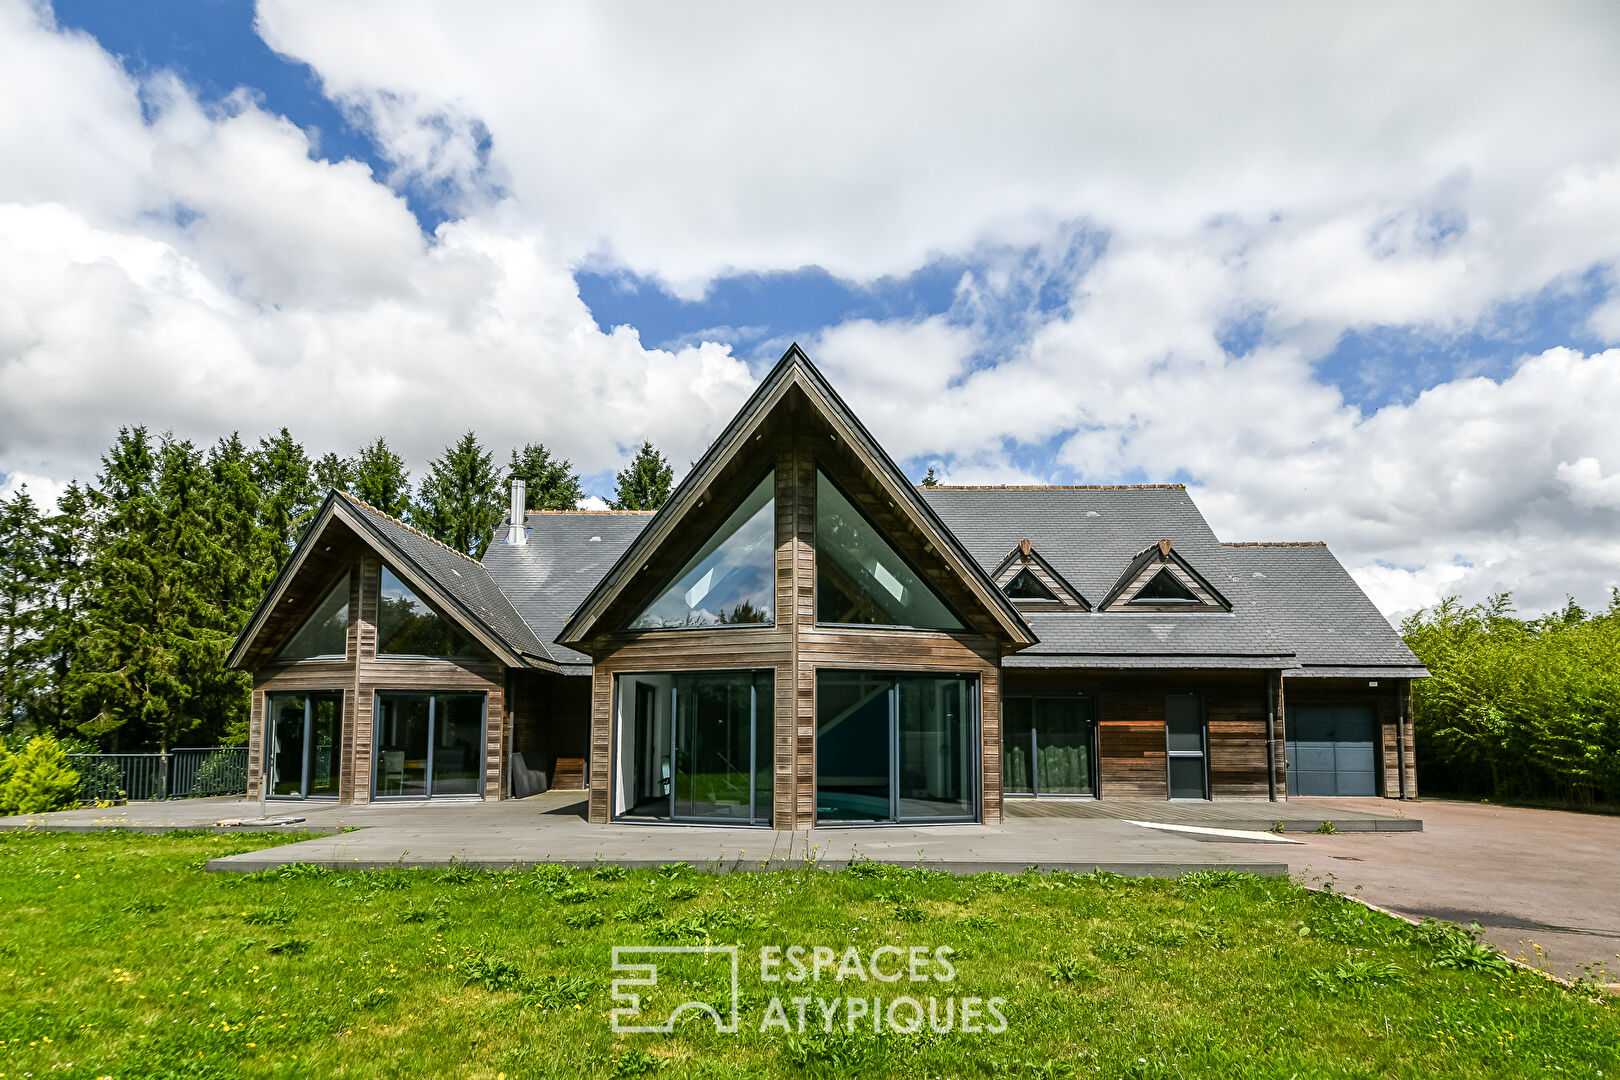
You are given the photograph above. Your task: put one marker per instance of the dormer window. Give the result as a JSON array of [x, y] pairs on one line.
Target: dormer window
[[1164, 588], [1026, 586]]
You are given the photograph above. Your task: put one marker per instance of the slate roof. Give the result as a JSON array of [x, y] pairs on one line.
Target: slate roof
[[467, 582], [1305, 615], [1315, 603], [1090, 535], [550, 576]]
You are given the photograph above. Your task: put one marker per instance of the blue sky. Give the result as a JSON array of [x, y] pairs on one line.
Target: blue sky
[[1377, 319]]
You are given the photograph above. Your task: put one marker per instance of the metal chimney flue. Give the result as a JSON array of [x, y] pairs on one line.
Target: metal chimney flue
[[518, 532]]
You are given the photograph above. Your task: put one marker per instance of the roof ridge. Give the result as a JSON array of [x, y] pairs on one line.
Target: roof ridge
[[408, 528], [1273, 543], [640, 513], [1051, 487]]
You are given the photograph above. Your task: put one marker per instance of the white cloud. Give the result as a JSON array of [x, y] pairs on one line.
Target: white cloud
[[197, 268]]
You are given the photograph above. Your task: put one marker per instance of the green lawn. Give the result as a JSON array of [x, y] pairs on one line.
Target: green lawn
[[120, 957]]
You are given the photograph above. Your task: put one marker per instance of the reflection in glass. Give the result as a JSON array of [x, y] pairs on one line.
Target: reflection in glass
[[305, 732], [325, 632], [1164, 588], [698, 746], [407, 626], [1047, 746], [1184, 735], [852, 746], [935, 741], [429, 744], [1026, 586], [860, 578], [729, 580]]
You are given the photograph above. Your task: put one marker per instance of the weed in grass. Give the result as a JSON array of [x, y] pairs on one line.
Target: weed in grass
[[1070, 969], [908, 913], [633, 1062], [608, 872], [683, 892], [268, 917], [1354, 977], [586, 919], [289, 947], [558, 992], [1117, 949], [490, 972], [576, 895]]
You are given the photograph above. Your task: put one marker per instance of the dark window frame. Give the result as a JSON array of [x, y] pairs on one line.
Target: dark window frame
[[1094, 744], [376, 754], [1202, 754]]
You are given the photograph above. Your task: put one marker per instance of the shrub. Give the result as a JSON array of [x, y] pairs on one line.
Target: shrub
[[40, 779]]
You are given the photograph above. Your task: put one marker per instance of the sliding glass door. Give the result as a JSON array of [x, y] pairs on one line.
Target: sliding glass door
[[428, 745], [696, 746], [302, 750], [1048, 746], [896, 747]]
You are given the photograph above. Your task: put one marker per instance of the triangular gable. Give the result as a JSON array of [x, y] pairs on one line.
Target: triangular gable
[[1162, 563], [795, 371], [471, 599], [1024, 559]]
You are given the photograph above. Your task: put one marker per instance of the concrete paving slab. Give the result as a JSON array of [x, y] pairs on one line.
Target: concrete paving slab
[[1294, 815]]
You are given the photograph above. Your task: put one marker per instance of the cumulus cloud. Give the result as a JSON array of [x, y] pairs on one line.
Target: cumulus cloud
[[1307, 171]]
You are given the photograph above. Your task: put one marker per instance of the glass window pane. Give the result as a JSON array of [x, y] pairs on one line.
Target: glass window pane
[[458, 734], [1017, 747], [1063, 746], [936, 747], [714, 746], [1164, 588], [731, 578], [852, 746], [407, 626], [326, 725], [324, 633], [1026, 586], [1184, 722], [401, 728], [651, 765], [860, 578], [764, 744], [287, 748], [1187, 777]]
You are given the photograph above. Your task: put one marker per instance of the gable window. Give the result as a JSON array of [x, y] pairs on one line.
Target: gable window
[[730, 580], [1164, 588], [406, 626], [860, 578], [325, 633], [1026, 586]]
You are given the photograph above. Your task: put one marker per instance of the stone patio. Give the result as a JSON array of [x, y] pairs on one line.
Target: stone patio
[[1138, 837]]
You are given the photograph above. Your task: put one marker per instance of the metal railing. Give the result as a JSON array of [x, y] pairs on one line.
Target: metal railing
[[185, 772]]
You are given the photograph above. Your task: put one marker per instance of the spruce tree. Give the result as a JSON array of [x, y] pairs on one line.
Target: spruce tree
[[380, 478], [643, 484], [550, 483], [22, 597], [287, 495], [61, 704], [930, 478], [333, 472], [460, 501]]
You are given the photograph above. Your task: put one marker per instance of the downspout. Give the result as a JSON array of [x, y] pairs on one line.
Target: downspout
[[1271, 732]]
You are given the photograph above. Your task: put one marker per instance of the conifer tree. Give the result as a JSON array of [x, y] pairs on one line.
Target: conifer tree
[[930, 478], [22, 596], [331, 472], [286, 490], [550, 483], [645, 483], [380, 478], [64, 620], [460, 501]]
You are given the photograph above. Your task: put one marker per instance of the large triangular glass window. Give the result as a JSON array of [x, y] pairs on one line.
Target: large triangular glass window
[[1026, 586], [860, 578], [1164, 588], [406, 626], [326, 632], [730, 580]]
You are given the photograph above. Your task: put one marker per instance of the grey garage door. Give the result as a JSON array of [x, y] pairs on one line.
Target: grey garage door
[[1331, 750]]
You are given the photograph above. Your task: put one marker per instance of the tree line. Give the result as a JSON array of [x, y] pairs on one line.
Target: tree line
[[1518, 708], [120, 604]]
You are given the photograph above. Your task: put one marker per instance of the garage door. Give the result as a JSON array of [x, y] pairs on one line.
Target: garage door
[[1331, 750]]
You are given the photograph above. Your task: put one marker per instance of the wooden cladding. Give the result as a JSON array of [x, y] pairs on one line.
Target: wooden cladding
[[362, 674]]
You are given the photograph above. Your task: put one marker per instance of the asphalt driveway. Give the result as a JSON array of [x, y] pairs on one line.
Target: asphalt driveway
[[1544, 885]]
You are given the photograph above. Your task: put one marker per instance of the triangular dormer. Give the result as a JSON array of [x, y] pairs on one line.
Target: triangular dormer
[[1160, 580], [1032, 584], [796, 458]]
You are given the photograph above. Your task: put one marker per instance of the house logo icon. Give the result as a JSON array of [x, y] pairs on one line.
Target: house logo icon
[[626, 988]]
